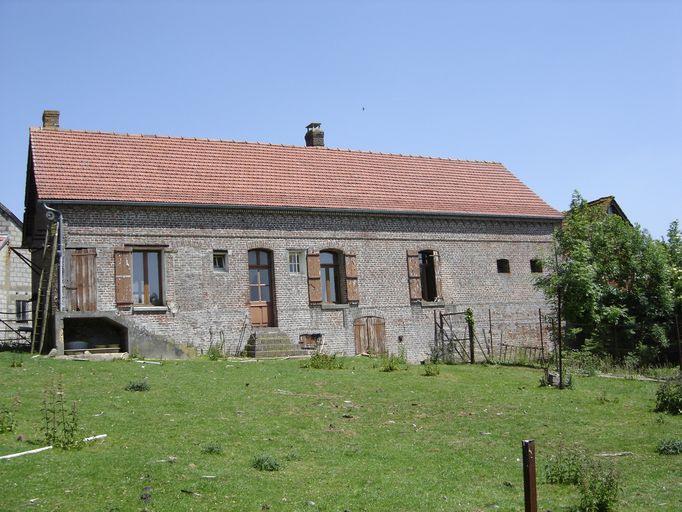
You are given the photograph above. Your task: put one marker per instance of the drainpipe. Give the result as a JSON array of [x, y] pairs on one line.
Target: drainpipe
[[53, 214]]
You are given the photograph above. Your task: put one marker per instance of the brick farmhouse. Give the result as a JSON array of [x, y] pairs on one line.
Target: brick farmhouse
[[169, 245]]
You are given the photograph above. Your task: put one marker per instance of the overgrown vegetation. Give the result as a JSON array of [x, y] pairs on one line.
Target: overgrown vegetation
[[265, 462], [669, 447], [8, 419], [620, 288], [431, 370], [60, 422], [213, 449], [320, 361], [669, 397], [214, 353], [338, 437], [138, 385], [597, 480]]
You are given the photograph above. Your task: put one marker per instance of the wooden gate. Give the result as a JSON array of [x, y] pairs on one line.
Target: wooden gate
[[370, 335], [81, 285]]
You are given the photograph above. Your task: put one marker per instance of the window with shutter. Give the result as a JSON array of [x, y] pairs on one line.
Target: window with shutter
[[414, 275], [352, 292], [423, 272], [314, 285], [123, 269]]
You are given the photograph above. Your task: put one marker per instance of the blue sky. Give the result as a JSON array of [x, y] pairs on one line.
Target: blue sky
[[569, 95]]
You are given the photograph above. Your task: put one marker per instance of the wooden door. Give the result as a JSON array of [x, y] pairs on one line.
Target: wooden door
[[370, 335], [261, 288], [81, 280]]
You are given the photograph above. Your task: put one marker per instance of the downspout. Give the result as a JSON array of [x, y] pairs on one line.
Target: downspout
[[51, 215]]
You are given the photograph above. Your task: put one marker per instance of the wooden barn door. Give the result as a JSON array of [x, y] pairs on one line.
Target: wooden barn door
[[261, 289], [370, 335], [81, 282]]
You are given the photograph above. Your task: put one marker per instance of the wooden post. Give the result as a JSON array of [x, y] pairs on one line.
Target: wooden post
[[542, 343], [490, 331], [529, 488], [470, 328]]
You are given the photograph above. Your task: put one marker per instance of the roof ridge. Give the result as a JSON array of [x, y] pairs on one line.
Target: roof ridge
[[258, 143]]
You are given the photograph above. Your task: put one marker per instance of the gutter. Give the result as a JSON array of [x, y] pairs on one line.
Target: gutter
[[51, 214], [299, 209]]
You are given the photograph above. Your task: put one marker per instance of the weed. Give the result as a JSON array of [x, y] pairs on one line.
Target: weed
[[138, 385], [320, 361], [565, 466], [669, 397], [8, 420], [604, 399], [265, 462], [392, 362], [292, 455], [431, 370], [598, 486], [669, 447], [17, 361], [214, 353], [60, 424], [212, 449]]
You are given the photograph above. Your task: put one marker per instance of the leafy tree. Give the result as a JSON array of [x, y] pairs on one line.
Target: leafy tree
[[615, 283]]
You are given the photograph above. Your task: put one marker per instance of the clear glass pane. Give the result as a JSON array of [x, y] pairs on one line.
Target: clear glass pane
[[253, 257], [264, 258], [138, 278], [323, 282], [253, 276], [154, 268], [327, 258], [332, 285], [264, 276], [253, 294], [265, 293]]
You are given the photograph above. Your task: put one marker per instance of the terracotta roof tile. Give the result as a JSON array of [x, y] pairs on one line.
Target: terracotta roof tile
[[95, 166]]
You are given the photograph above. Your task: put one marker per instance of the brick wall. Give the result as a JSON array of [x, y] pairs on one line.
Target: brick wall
[[202, 302], [15, 276]]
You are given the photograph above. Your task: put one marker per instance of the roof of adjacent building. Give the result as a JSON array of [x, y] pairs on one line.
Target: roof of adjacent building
[[609, 205], [3, 240], [108, 167], [8, 213]]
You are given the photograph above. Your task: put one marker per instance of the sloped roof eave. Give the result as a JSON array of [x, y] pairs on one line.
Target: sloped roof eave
[[304, 209]]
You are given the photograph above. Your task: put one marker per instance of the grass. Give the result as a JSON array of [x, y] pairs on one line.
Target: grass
[[363, 439]]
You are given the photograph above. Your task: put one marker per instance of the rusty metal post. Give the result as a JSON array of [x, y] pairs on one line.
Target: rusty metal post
[[542, 342], [529, 488]]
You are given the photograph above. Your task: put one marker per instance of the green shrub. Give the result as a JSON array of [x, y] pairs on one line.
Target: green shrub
[[565, 467], [214, 353], [8, 421], [212, 449], [138, 385], [265, 463], [60, 423], [431, 370], [598, 486], [669, 447], [320, 361], [392, 362], [669, 397]]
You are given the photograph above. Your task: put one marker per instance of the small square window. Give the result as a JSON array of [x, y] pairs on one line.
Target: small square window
[[536, 266], [503, 266], [220, 261], [296, 262]]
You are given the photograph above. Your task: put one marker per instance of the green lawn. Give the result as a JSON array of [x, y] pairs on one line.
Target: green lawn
[[353, 439]]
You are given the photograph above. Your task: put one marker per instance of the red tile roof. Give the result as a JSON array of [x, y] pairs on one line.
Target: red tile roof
[[93, 166]]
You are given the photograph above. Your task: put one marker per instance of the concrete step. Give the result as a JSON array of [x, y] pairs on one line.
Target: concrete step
[[272, 342]]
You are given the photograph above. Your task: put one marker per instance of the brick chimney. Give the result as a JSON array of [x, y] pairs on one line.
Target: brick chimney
[[51, 119], [314, 136]]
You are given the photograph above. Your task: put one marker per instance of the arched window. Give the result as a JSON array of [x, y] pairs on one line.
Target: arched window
[[330, 277]]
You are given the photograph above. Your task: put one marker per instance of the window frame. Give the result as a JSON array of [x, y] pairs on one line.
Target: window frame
[[21, 311], [223, 255], [301, 263], [427, 275], [146, 292], [536, 266], [503, 266], [331, 272]]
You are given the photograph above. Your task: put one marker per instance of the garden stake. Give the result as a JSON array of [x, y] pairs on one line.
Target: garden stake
[[529, 488]]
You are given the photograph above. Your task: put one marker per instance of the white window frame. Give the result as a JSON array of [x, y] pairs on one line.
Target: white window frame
[[301, 256]]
